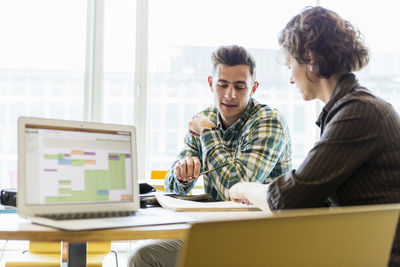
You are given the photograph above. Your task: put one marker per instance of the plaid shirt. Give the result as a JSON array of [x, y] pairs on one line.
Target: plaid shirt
[[258, 145]]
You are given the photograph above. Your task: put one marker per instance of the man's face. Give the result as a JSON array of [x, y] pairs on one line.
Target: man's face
[[232, 88]]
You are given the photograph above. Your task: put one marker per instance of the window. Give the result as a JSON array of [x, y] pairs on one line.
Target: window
[[382, 74], [119, 61], [180, 44], [41, 68], [146, 63]]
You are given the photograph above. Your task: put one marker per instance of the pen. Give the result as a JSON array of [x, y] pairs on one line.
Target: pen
[[190, 179]]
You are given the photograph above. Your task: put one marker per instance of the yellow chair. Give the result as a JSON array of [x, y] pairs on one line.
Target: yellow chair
[[350, 236], [157, 179], [160, 175], [47, 254]]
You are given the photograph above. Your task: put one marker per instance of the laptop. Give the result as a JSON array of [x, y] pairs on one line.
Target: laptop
[[81, 175]]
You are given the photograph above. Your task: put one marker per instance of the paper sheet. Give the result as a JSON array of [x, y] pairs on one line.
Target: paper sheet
[[175, 204]]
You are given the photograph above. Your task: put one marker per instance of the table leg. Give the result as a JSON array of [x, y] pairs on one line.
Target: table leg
[[76, 255]]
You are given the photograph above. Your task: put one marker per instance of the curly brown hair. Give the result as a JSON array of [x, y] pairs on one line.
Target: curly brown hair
[[321, 38]]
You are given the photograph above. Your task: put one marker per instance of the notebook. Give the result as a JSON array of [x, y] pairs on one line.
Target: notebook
[[81, 175], [175, 204]]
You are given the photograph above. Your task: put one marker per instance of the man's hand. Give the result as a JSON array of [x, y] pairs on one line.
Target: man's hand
[[186, 168], [199, 123]]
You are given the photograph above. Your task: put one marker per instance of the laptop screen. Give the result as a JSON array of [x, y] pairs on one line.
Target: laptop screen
[[77, 166]]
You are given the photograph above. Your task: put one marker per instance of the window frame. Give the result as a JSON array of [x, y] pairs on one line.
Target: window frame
[[94, 74]]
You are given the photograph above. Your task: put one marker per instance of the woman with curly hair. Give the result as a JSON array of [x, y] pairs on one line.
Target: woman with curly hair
[[357, 159]]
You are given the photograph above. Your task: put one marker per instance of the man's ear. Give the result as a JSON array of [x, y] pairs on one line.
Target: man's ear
[[254, 88], [210, 83]]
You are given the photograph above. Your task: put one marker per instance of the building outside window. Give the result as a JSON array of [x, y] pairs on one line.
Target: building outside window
[[44, 65], [42, 62]]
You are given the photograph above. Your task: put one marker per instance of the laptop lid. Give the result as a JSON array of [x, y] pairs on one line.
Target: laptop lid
[[75, 167]]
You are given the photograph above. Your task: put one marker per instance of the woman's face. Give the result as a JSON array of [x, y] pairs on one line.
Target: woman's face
[[301, 76]]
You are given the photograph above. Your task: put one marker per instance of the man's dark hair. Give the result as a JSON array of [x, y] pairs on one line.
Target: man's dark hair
[[232, 56]]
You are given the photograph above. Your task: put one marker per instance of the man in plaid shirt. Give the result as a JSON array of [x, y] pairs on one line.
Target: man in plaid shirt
[[253, 138]]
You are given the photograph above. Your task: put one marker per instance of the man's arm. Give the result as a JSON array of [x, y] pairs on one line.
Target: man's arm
[[260, 150]]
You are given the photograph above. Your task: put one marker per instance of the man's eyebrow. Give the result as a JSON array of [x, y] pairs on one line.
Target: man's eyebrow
[[225, 81]]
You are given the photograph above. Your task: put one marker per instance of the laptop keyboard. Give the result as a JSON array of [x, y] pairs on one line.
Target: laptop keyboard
[[74, 216]]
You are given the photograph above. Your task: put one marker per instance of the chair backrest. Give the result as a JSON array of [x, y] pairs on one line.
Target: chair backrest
[[159, 175], [157, 181], [55, 247], [352, 236]]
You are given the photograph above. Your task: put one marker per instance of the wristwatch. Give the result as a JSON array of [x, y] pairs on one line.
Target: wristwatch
[[206, 130]]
